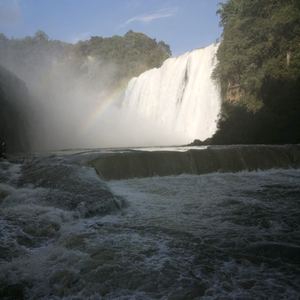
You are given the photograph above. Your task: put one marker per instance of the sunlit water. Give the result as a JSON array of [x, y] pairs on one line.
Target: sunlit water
[[213, 236], [180, 95]]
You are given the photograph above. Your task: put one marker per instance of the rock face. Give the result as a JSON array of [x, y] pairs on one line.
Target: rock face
[[14, 112], [233, 158]]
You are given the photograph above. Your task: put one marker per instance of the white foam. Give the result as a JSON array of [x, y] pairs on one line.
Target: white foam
[[180, 96], [180, 234]]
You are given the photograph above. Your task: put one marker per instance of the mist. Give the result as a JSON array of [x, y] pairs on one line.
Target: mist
[[76, 106]]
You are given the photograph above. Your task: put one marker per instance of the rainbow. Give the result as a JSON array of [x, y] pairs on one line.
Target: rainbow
[[104, 101], [102, 107]]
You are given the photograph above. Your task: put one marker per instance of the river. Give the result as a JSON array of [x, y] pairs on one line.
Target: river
[[66, 233]]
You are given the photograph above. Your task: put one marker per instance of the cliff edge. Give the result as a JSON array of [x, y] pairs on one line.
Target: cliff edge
[[14, 112]]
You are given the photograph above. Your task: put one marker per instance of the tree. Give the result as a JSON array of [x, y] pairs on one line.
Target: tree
[[41, 37], [259, 51], [121, 57]]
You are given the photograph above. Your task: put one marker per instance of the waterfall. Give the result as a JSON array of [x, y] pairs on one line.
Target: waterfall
[[180, 95]]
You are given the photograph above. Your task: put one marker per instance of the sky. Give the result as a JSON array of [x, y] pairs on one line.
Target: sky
[[183, 24]]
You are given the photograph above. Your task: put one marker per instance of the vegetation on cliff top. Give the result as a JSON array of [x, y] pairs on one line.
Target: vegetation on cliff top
[[127, 56], [259, 72]]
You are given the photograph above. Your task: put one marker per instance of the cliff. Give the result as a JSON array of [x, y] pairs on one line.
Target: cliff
[[14, 113]]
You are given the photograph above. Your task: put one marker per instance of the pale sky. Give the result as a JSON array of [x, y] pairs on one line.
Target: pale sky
[[183, 24]]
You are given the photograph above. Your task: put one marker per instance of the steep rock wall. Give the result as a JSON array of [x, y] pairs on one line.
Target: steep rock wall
[[14, 112], [196, 161]]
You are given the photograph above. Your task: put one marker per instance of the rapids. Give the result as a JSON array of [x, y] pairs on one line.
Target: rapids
[[65, 233]]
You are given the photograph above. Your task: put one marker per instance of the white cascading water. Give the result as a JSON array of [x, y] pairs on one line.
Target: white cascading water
[[180, 96]]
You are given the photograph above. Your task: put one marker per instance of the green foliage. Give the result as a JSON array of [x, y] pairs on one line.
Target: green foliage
[[28, 57], [132, 54], [259, 52], [256, 39], [129, 55]]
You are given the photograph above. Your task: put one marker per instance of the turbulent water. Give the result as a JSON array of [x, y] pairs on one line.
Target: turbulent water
[[67, 234], [180, 96]]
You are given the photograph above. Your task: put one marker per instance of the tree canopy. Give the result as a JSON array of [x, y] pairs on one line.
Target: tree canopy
[[133, 54], [259, 68], [130, 55]]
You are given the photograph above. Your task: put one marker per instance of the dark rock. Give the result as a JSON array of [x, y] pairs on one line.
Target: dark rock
[[14, 112], [200, 143]]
